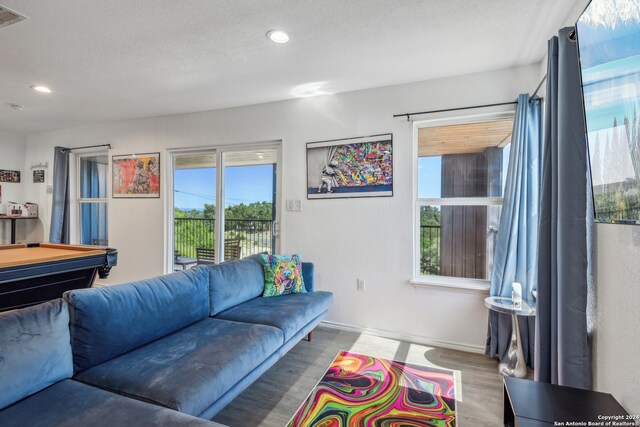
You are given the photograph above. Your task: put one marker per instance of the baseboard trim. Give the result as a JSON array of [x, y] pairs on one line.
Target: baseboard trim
[[406, 337]]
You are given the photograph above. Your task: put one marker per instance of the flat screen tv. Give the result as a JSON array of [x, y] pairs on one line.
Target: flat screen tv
[[608, 34]]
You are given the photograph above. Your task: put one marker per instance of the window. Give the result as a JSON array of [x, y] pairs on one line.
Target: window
[[461, 175], [92, 199]]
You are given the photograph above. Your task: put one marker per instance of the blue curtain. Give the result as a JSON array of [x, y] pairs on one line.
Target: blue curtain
[[562, 341], [59, 230], [515, 258]]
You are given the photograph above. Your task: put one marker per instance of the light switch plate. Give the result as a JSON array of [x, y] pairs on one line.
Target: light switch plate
[[294, 206]]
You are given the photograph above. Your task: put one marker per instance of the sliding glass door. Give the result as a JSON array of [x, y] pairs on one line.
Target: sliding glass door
[[250, 195], [224, 205], [194, 204]]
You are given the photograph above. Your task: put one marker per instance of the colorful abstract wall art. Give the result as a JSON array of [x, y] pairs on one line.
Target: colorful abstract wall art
[[365, 391], [353, 167], [136, 175]]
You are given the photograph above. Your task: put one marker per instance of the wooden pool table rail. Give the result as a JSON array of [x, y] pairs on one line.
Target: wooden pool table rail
[[35, 273], [21, 254]]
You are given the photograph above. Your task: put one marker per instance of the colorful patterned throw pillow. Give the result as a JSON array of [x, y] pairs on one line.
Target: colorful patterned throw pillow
[[282, 275]]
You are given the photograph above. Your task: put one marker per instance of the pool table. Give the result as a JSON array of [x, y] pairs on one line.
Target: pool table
[[34, 273]]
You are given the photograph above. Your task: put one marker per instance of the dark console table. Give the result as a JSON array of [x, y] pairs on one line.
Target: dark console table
[[13, 220], [530, 403]]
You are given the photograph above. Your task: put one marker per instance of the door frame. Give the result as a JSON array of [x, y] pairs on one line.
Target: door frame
[[219, 151]]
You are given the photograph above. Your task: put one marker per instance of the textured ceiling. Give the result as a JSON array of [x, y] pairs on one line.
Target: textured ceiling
[[120, 59]]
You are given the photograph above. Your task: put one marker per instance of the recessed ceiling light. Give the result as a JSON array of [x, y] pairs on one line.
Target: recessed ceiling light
[[41, 89], [278, 36]]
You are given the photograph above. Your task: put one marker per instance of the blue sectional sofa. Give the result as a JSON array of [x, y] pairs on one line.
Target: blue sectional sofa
[[182, 345], [37, 389]]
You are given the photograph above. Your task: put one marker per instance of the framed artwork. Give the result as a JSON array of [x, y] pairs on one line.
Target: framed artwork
[[136, 175], [608, 40], [352, 167], [9, 176], [38, 176]]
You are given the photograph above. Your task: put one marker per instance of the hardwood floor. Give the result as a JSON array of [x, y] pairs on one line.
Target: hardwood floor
[[275, 397]]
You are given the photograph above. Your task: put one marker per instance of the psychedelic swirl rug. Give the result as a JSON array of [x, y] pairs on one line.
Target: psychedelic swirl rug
[[365, 391]]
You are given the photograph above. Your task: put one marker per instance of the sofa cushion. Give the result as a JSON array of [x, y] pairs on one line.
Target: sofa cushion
[[308, 274], [35, 350], [190, 369], [282, 275], [70, 404], [234, 282], [111, 320], [290, 313]]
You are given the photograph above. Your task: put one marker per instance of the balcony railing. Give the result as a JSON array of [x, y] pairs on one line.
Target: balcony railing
[[256, 235], [430, 249]]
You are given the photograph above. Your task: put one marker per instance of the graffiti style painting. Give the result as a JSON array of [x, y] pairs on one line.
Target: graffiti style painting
[[354, 167], [136, 175]]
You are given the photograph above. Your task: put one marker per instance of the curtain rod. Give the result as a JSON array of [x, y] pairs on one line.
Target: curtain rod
[[408, 115], [531, 98], [87, 146], [535, 92]]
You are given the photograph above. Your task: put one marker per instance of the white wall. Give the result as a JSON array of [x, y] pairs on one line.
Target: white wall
[[617, 335], [347, 238], [12, 157]]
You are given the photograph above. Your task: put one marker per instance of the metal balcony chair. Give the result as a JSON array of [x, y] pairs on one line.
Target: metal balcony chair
[[232, 250], [205, 256]]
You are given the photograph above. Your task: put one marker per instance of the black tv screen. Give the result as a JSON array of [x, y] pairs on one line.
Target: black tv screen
[[608, 34]]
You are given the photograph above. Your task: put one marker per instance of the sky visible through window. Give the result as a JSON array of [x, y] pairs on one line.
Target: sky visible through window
[[244, 184], [429, 177]]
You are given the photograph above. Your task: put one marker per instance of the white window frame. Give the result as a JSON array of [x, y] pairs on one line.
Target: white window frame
[[78, 201], [220, 151], [462, 283]]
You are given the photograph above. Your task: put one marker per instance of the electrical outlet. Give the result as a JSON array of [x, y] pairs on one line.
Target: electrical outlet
[[360, 284]]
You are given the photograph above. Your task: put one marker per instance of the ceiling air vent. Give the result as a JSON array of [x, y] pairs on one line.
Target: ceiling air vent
[[9, 17]]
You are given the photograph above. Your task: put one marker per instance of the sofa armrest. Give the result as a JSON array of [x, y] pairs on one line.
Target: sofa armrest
[[307, 276]]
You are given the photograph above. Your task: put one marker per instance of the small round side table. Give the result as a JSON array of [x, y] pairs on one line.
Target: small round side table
[[514, 365]]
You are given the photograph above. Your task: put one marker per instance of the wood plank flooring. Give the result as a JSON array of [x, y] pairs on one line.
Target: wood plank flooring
[[275, 397]]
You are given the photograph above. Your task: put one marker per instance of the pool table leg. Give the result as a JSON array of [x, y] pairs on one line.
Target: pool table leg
[[103, 272]]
